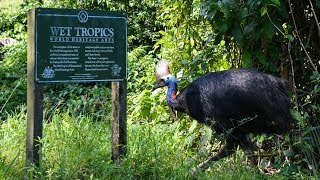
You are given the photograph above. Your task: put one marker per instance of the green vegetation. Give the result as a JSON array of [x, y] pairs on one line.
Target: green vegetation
[[79, 148], [197, 37]]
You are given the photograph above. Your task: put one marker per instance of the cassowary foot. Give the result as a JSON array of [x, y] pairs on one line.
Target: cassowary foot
[[201, 167], [173, 115], [268, 169], [251, 160], [205, 164], [227, 149]]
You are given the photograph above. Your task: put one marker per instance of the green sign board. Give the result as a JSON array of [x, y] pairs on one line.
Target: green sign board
[[80, 45]]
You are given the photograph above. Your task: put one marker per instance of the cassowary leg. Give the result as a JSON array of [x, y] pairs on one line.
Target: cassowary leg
[[173, 114], [227, 149], [249, 148]]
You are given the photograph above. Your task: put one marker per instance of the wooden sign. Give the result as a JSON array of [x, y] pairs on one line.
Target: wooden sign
[[80, 45], [70, 45]]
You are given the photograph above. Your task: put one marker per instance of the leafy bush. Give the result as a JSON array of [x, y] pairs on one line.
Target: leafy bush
[[13, 67], [78, 99], [13, 86], [307, 136], [142, 103]]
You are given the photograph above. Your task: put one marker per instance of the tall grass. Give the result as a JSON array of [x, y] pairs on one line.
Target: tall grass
[[74, 147], [12, 145], [80, 148]]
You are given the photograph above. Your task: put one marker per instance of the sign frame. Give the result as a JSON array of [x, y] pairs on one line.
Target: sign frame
[[46, 18]]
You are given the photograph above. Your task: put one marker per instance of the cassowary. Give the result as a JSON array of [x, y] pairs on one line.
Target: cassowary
[[234, 102]]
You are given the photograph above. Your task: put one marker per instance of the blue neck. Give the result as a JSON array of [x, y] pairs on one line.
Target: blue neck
[[172, 91]]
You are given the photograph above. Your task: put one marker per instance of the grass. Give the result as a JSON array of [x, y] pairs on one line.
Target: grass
[[78, 148]]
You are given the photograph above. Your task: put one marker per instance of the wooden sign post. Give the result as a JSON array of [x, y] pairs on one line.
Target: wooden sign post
[[119, 104], [70, 45]]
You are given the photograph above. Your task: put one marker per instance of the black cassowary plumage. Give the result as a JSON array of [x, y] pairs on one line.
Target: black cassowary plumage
[[236, 102]]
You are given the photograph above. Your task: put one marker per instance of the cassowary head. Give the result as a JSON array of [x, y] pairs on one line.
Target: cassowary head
[[163, 75], [162, 69], [165, 78]]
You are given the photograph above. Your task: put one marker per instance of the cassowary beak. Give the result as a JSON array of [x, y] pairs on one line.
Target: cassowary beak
[[159, 84]]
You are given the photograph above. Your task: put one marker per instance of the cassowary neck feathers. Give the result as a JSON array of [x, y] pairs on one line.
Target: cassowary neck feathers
[[172, 84]]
